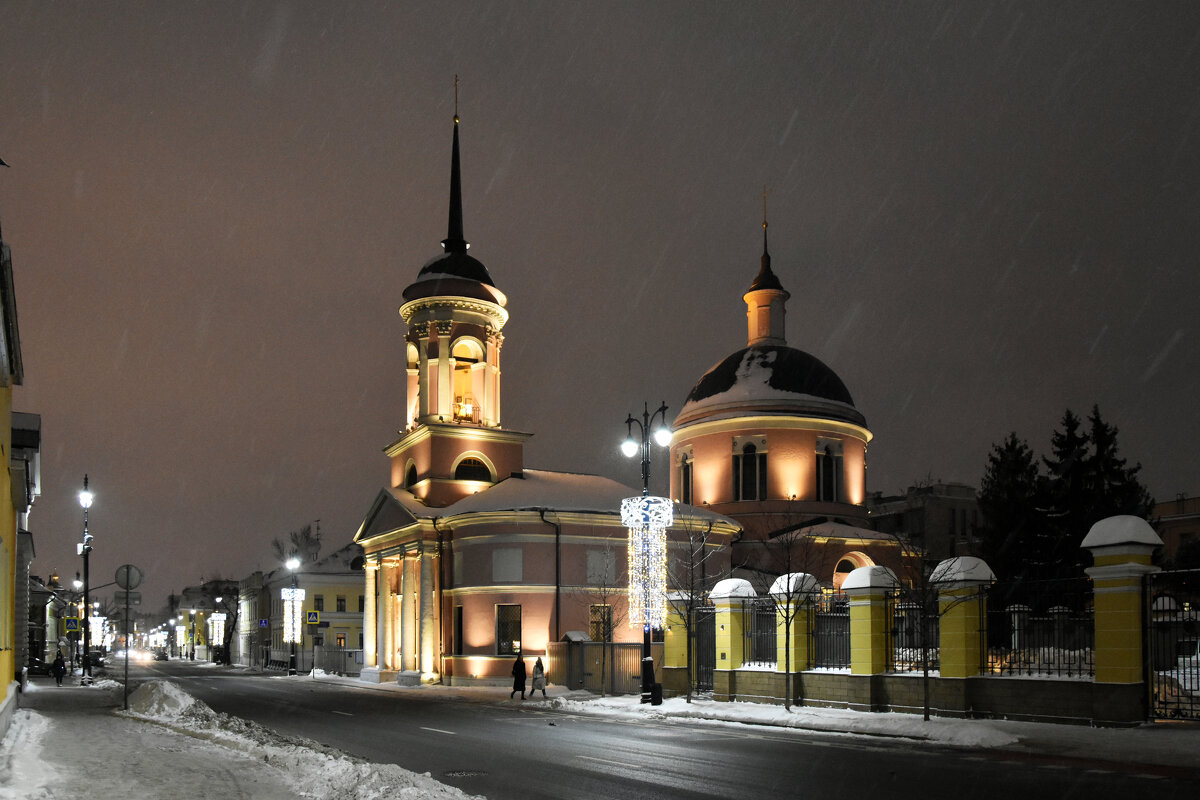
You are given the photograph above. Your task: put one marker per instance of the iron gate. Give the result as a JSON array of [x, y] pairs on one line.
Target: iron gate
[[1172, 644], [704, 647]]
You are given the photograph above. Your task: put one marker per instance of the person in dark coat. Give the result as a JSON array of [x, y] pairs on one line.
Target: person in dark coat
[[518, 678], [58, 669]]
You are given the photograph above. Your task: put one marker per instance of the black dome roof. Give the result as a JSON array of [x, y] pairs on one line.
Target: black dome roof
[[783, 369], [459, 265]]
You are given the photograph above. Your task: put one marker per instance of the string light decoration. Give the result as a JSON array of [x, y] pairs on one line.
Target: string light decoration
[[293, 600], [647, 519]]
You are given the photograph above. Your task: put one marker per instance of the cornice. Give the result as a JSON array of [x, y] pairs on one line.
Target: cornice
[[781, 421]]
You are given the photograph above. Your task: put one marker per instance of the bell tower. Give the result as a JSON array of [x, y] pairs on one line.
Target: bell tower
[[453, 444]]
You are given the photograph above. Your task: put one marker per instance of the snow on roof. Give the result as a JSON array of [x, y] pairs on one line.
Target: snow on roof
[[543, 490], [1121, 529]]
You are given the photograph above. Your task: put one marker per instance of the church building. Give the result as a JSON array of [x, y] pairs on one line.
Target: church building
[[470, 557], [770, 437]]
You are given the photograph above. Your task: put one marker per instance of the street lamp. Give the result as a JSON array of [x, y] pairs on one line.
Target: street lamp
[[645, 518], [291, 612], [85, 548], [192, 655]]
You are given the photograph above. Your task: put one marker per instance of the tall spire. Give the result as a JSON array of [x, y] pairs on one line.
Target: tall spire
[[454, 241]]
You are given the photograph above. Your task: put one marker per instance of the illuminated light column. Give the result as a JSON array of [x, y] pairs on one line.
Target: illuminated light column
[[293, 611], [647, 519], [647, 540]]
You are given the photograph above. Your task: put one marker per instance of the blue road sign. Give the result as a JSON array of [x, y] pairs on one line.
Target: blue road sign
[[72, 623], [264, 623], [313, 617]]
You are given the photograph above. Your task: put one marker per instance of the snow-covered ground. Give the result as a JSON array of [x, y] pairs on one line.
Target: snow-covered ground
[[169, 745]]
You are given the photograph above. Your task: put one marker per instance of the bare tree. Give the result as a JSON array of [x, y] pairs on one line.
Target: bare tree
[[689, 579], [606, 599], [304, 544]]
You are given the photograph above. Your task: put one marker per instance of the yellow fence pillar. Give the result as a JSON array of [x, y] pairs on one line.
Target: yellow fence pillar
[[675, 636], [1121, 547], [794, 596], [729, 597], [867, 588], [961, 609]]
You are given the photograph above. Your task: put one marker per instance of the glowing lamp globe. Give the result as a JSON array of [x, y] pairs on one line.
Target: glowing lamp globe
[[629, 447], [662, 437]]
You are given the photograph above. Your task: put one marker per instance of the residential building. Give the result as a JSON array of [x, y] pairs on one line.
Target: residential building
[[1178, 523], [12, 491], [938, 519]]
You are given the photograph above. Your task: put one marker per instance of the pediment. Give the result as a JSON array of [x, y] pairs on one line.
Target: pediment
[[386, 514]]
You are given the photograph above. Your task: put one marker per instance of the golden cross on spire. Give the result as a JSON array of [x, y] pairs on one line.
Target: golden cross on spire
[[764, 196], [456, 97]]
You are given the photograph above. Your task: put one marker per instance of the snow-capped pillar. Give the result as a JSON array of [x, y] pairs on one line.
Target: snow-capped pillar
[[729, 598], [961, 608], [795, 602], [370, 621], [868, 588], [1121, 547]]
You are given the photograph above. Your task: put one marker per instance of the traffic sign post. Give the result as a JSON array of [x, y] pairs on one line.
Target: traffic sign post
[[128, 577]]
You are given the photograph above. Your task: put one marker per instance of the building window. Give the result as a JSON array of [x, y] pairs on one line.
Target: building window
[[458, 632], [472, 469], [506, 565], [601, 620], [685, 480], [362, 604], [319, 602], [341, 603], [410, 477], [829, 472], [508, 630], [601, 568], [750, 473], [341, 641]]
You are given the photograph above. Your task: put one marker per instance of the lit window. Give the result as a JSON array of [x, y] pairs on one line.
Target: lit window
[[830, 488], [685, 479], [472, 469], [508, 630]]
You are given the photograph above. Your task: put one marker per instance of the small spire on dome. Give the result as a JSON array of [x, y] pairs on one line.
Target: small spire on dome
[[454, 241], [766, 278]]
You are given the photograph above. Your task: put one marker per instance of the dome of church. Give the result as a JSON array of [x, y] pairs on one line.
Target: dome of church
[[771, 377], [458, 265]]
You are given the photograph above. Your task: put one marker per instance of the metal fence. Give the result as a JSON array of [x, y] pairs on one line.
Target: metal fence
[[760, 628], [830, 633], [1173, 644], [1040, 628], [338, 660], [913, 635]]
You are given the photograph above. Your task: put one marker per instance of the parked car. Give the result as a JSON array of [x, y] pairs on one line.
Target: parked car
[[97, 659], [160, 655], [37, 666]]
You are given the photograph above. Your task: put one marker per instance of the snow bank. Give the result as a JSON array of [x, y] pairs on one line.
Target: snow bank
[[311, 769]]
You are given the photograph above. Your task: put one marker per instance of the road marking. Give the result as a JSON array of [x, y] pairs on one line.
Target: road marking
[[615, 763], [439, 730], [344, 713]]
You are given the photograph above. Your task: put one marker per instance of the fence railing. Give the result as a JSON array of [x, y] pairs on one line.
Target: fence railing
[[761, 637], [913, 636], [1039, 628], [338, 660], [830, 633]]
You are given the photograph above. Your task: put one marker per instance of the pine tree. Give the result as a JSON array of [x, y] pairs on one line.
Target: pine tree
[[1113, 487], [1008, 503], [1068, 498]]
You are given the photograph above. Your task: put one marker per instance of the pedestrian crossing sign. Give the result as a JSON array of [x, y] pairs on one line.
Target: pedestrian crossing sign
[[72, 623], [312, 617]]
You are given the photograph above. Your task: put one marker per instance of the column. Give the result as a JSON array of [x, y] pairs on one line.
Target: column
[[961, 606], [867, 588], [370, 621], [1121, 548], [729, 597]]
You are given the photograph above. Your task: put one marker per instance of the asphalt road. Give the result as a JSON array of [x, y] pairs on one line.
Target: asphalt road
[[512, 751]]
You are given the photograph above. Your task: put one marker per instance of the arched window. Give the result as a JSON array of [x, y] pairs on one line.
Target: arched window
[[830, 487], [472, 469], [750, 474], [685, 479], [468, 357], [410, 477]]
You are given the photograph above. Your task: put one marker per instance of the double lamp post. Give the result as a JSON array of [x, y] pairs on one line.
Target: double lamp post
[[84, 549]]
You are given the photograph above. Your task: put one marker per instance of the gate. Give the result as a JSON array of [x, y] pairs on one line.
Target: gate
[[704, 647], [1172, 644]]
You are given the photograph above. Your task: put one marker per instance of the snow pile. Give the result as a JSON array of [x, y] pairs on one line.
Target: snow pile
[[159, 699], [310, 769]]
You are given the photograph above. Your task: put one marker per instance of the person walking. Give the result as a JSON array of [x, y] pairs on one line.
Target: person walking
[[518, 678], [539, 677], [58, 669]]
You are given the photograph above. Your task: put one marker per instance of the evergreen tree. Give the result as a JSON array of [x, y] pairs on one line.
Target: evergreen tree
[[1113, 487], [1068, 500], [1008, 503]]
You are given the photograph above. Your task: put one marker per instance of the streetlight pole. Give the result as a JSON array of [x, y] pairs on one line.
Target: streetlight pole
[[85, 549], [630, 447]]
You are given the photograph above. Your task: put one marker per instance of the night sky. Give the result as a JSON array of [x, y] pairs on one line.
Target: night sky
[[985, 213]]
